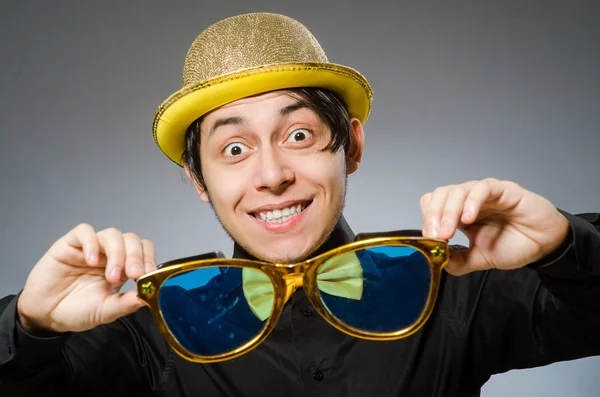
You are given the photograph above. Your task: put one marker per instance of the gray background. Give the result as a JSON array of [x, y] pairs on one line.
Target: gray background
[[508, 89]]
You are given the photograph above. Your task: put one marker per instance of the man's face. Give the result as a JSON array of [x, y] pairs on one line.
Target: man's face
[[273, 189]]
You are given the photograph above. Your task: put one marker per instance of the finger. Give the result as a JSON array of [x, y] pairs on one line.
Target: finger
[[134, 256], [456, 265], [111, 241], [118, 305], [85, 243], [433, 211], [149, 256], [425, 199], [465, 261], [482, 192], [452, 211]]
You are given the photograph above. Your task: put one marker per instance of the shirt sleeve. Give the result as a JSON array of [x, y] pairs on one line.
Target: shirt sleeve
[[546, 312], [109, 360]]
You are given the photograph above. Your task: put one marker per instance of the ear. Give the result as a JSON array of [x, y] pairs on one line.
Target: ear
[[200, 189], [357, 142]]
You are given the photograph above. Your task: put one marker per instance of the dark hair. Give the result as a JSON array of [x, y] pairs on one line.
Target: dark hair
[[328, 107]]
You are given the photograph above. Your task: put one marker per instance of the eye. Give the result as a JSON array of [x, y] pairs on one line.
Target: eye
[[299, 135], [235, 149]]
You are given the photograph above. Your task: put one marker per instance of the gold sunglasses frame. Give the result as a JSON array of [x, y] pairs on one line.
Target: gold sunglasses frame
[[286, 279]]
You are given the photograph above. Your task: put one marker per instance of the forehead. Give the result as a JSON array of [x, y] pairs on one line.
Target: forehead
[[258, 108], [269, 98], [262, 101]]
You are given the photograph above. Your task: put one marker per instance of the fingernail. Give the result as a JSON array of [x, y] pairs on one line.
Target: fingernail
[[114, 273], [469, 211]]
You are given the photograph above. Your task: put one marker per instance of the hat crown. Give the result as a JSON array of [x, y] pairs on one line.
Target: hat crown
[[247, 41]]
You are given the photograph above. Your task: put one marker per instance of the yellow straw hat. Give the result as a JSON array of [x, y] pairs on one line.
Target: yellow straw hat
[[246, 55]]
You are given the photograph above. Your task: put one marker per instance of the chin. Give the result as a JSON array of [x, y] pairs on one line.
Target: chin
[[284, 251]]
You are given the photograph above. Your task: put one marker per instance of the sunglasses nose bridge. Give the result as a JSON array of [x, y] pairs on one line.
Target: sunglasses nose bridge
[[292, 283]]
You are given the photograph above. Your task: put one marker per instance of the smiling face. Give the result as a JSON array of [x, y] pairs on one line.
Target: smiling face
[[273, 188]]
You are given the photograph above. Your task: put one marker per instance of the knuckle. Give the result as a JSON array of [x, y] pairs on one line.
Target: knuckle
[[133, 254], [440, 190], [133, 249], [481, 187], [511, 184], [459, 191], [83, 231], [111, 231], [147, 242], [83, 226], [131, 236], [133, 259], [148, 245]]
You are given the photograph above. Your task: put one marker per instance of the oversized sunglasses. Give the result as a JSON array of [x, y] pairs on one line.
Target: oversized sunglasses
[[382, 286]]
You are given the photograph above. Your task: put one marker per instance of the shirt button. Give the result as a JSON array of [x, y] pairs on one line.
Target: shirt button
[[318, 376], [307, 312]]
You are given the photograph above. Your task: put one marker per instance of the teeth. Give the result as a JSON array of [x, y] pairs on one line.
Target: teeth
[[280, 215]]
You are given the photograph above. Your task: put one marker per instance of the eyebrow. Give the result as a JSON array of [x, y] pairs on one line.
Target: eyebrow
[[283, 112], [226, 121], [236, 120]]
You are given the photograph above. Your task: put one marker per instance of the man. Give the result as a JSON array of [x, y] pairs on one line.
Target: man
[[269, 130]]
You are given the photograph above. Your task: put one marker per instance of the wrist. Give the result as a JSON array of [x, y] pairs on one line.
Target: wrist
[[563, 233], [559, 248], [30, 326]]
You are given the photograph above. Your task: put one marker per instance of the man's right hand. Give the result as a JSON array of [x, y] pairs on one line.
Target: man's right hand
[[75, 285]]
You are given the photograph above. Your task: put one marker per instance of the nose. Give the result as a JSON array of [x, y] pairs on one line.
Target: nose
[[274, 172]]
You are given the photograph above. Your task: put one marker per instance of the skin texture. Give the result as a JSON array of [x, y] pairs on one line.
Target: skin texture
[[508, 226], [274, 167], [257, 159]]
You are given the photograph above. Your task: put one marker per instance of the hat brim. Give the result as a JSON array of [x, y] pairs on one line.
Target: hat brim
[[176, 114]]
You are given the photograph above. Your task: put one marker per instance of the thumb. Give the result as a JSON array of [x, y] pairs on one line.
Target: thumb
[[464, 261], [119, 305]]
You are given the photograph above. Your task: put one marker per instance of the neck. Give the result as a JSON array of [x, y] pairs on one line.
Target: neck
[[341, 234]]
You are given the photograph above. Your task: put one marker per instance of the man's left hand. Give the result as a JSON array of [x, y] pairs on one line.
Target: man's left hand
[[508, 227]]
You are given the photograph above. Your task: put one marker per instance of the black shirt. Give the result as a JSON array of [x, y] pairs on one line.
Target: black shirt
[[484, 323]]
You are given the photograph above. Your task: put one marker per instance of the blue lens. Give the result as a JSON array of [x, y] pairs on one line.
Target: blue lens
[[215, 310], [381, 289]]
